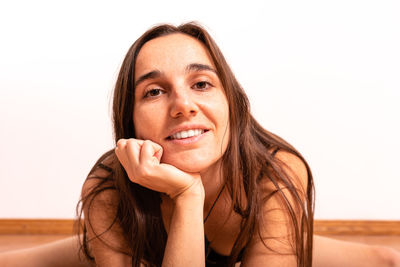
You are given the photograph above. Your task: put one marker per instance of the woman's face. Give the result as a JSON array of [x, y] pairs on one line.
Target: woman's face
[[180, 103]]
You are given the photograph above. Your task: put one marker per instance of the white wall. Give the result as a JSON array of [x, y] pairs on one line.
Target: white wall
[[322, 74]]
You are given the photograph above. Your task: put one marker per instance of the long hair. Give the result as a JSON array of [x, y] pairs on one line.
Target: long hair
[[246, 163]]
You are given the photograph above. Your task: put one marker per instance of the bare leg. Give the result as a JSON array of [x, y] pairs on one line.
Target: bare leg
[[62, 253]]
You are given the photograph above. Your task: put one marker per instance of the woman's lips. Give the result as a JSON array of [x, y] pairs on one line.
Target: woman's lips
[[187, 134], [185, 128], [188, 140]]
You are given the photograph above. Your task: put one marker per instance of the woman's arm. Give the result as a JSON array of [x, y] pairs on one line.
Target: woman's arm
[[186, 227], [141, 161], [61, 253], [330, 252], [327, 252], [185, 244]]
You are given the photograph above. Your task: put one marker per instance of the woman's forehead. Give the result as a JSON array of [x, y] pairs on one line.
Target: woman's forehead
[[172, 52]]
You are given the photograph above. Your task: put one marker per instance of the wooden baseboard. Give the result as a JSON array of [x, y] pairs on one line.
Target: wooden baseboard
[[321, 227], [356, 227], [37, 226]]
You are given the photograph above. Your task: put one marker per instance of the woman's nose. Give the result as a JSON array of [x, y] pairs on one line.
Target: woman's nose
[[183, 104]]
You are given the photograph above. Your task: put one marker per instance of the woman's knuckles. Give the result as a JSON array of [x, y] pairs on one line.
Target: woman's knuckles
[[121, 143]]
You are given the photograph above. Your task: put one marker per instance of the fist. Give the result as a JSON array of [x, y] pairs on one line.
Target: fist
[[141, 161]]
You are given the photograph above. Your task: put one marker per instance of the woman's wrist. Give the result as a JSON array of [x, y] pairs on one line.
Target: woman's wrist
[[194, 192]]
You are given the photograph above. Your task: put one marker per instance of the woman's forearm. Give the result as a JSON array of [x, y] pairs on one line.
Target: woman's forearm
[[62, 253], [185, 244], [328, 252]]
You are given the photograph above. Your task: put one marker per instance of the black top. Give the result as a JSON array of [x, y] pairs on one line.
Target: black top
[[215, 259]]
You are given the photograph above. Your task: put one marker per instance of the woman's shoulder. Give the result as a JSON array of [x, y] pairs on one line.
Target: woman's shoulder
[[100, 202], [105, 165], [293, 165], [292, 161], [101, 178]]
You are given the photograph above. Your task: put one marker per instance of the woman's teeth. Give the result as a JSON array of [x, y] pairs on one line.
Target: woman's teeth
[[187, 134]]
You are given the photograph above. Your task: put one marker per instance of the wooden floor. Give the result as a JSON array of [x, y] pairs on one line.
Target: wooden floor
[[11, 242]]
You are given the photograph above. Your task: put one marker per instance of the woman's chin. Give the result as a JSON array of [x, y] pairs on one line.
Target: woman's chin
[[191, 166]]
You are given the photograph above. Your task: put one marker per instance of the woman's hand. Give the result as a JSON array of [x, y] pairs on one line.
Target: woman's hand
[[141, 161]]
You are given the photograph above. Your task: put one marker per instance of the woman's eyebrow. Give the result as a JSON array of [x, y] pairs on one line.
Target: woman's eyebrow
[[189, 68], [199, 67], [150, 75]]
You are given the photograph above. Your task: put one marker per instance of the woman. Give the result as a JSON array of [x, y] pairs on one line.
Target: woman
[[192, 166], [194, 180]]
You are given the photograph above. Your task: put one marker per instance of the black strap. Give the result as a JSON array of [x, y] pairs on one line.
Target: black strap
[[215, 201]]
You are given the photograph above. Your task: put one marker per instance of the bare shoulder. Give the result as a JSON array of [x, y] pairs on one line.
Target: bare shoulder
[[273, 244], [100, 200], [294, 167], [100, 178], [98, 190], [291, 179], [99, 197]]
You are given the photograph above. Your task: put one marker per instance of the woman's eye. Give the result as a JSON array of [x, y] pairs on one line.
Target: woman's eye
[[153, 92], [201, 85]]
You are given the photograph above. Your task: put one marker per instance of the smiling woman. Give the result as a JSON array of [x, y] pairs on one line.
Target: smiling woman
[[194, 180], [192, 166]]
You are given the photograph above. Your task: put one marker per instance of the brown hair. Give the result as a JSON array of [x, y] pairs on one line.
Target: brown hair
[[247, 162]]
